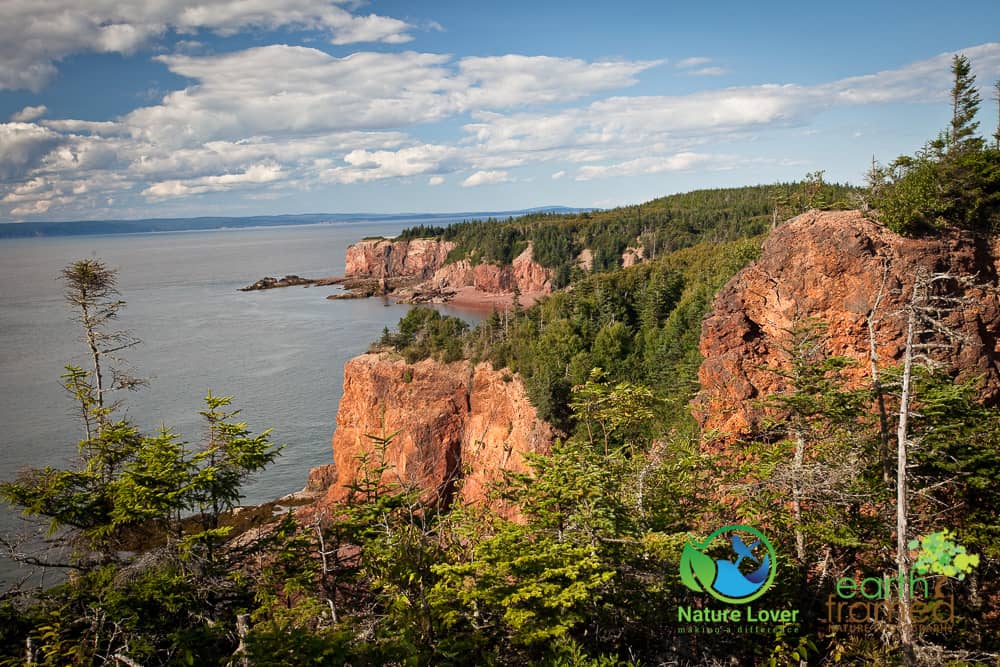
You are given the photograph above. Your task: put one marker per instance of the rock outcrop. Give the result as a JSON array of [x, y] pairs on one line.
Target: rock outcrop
[[831, 266], [415, 271], [386, 258], [457, 427], [269, 282], [524, 273], [529, 275], [633, 256]]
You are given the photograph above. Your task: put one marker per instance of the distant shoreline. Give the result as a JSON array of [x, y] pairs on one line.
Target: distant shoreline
[[13, 230]]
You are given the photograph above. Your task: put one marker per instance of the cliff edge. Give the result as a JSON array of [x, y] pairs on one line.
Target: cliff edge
[[832, 266], [386, 258], [419, 272], [457, 427]]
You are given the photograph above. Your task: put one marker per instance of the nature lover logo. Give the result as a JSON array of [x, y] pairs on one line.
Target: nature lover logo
[[740, 578]]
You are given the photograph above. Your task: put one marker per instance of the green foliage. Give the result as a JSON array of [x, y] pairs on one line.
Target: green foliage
[[154, 616], [957, 460], [575, 561], [657, 227], [421, 232], [153, 486], [616, 415], [640, 325], [938, 553], [173, 603], [84, 499], [423, 333], [908, 194], [528, 584], [484, 241], [953, 181], [537, 587], [231, 454]]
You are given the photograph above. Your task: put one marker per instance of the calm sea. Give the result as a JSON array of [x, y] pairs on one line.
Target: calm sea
[[279, 352]]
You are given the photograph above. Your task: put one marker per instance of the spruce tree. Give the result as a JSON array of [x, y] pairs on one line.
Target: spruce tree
[[964, 105]]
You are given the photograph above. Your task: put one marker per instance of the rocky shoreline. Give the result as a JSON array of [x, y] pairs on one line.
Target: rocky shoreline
[[417, 271], [268, 282]]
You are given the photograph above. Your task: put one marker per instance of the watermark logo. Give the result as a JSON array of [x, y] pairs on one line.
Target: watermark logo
[[857, 606], [742, 577]]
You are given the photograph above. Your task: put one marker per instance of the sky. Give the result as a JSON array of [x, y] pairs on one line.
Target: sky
[[120, 109]]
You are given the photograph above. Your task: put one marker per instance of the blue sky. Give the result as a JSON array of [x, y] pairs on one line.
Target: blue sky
[[150, 108]]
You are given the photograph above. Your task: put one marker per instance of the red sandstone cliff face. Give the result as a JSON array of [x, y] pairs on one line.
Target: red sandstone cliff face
[[385, 258], [458, 427], [424, 259], [829, 265], [529, 275], [524, 272]]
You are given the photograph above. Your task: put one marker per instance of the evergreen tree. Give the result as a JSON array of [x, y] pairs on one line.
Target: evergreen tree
[[230, 456], [964, 106], [82, 498]]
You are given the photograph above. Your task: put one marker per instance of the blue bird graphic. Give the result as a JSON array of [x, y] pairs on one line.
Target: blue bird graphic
[[742, 550]]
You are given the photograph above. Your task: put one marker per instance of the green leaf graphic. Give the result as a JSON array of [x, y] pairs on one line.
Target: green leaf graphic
[[697, 569]]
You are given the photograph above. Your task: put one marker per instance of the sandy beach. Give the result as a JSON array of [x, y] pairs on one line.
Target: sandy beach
[[473, 299]]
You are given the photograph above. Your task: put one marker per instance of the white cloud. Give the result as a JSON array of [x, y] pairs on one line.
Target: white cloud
[[23, 147], [364, 166], [923, 81], [34, 35], [34, 208], [372, 28], [709, 71], [254, 175], [652, 165], [516, 80], [269, 119], [106, 128], [611, 125], [617, 122], [486, 178], [290, 89], [694, 61], [28, 114]]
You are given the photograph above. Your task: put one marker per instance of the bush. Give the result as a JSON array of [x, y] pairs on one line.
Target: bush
[[423, 333]]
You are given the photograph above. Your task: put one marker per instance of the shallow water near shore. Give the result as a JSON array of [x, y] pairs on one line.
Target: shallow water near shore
[[279, 352]]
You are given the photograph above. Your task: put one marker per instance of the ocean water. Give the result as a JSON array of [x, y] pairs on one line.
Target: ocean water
[[279, 352]]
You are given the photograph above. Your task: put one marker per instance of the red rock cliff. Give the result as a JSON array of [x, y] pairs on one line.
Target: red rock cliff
[[459, 427], [378, 258], [829, 265], [524, 272]]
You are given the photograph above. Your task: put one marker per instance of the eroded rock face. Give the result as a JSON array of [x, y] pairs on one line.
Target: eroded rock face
[[830, 266], [457, 428], [452, 276], [424, 259], [633, 256], [524, 272], [378, 258], [529, 275]]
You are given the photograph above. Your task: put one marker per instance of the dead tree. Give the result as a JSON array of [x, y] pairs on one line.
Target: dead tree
[[932, 299]]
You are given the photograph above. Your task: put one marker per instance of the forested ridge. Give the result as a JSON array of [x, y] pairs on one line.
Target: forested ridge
[[855, 484], [657, 227]]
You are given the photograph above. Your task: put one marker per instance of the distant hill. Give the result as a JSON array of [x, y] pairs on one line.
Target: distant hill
[[149, 225]]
